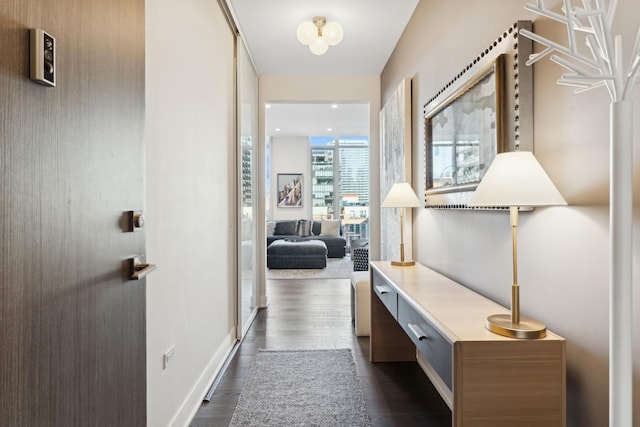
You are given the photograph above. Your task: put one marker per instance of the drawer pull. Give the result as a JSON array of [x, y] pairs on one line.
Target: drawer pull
[[382, 289], [417, 332]]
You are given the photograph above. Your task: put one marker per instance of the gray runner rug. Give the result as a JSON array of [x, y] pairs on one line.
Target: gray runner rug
[[301, 388]]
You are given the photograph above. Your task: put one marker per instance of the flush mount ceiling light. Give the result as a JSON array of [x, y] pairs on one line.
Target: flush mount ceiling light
[[319, 34]]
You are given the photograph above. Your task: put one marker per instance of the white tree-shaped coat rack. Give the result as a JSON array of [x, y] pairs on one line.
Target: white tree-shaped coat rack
[[603, 67]]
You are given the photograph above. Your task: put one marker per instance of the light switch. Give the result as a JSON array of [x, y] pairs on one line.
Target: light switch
[[43, 57]]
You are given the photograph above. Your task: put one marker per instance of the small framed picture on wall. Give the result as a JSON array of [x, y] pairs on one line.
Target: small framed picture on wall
[[289, 192]]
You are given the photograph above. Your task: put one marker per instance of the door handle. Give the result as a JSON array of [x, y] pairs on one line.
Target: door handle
[[139, 269]]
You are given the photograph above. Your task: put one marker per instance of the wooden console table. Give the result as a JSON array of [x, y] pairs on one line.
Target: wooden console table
[[486, 379]]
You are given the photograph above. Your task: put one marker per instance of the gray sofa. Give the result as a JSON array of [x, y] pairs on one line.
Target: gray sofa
[[306, 230]]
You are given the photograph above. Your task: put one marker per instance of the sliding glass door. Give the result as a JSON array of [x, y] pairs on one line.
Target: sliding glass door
[[247, 190]]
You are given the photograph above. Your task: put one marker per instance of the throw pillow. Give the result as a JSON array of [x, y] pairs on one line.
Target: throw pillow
[[304, 228], [330, 227], [286, 228], [316, 228], [360, 257]]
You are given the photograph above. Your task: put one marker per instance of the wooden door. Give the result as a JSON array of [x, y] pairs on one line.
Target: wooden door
[[72, 326]]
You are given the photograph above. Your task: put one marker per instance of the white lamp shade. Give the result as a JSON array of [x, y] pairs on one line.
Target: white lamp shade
[[401, 195], [319, 46], [332, 32], [307, 32], [515, 179]]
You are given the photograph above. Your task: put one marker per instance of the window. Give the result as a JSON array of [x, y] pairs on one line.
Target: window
[[340, 186]]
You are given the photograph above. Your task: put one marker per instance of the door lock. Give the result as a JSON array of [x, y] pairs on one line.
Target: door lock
[[136, 220]]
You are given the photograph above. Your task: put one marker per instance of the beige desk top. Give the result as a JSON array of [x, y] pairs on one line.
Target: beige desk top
[[458, 312]]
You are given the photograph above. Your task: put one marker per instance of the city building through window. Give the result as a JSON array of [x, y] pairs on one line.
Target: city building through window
[[340, 182]]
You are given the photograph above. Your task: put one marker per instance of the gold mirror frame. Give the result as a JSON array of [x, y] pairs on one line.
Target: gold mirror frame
[[505, 57]]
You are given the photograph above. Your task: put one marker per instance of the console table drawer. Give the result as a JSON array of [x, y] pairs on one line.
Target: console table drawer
[[433, 346], [386, 293]]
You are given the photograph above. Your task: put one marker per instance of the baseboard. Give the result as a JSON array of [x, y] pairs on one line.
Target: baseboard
[[193, 400], [262, 303]]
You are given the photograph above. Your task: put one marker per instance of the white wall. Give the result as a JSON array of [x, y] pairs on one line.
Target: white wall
[[190, 202], [291, 155], [563, 251]]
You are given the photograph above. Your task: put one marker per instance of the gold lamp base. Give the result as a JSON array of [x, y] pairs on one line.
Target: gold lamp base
[[403, 263], [527, 328]]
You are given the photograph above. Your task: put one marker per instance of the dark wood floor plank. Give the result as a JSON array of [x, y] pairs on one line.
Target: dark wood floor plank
[[315, 314]]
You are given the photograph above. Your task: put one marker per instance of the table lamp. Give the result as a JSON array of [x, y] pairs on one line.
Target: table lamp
[[515, 179], [401, 196]]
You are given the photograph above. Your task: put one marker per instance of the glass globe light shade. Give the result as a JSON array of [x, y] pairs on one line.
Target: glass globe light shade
[[307, 32], [319, 46], [332, 32]]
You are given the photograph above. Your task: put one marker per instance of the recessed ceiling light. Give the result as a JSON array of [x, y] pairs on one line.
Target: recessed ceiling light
[[329, 129], [334, 106], [277, 129], [267, 105]]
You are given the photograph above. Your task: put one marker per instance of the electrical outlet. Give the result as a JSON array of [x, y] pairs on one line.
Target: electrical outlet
[[167, 358]]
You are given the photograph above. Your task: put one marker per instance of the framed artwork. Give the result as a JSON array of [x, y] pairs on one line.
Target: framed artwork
[[289, 194], [395, 166], [487, 108]]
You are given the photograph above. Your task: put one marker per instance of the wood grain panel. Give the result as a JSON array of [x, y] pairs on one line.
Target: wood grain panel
[[72, 326], [510, 383], [388, 342]]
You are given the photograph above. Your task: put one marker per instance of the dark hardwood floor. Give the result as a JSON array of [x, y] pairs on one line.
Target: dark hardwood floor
[[315, 314]]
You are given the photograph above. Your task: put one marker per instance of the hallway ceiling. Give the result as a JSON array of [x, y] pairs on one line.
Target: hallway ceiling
[[287, 119], [371, 30]]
